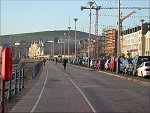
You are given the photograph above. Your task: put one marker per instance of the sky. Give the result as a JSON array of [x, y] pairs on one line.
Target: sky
[[24, 16]]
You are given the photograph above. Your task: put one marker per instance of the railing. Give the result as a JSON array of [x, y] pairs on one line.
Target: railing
[[15, 85], [17, 82]]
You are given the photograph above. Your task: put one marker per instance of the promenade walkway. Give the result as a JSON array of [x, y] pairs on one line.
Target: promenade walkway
[[53, 92]]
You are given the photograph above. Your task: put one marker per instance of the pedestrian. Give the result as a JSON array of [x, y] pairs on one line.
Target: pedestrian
[[64, 63], [56, 60], [44, 60]]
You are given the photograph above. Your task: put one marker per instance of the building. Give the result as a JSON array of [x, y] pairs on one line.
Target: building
[[36, 49], [21, 49], [147, 44], [110, 41], [134, 41], [101, 48]]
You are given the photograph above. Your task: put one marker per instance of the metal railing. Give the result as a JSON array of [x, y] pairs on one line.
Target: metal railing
[[17, 82], [14, 85]]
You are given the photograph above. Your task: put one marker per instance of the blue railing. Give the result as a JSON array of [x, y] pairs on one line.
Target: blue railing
[[14, 85], [17, 82]]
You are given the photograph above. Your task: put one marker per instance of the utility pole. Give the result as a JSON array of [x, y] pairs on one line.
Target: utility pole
[[75, 19], [64, 45], [90, 4], [69, 45], [142, 39], [118, 41], [61, 46]]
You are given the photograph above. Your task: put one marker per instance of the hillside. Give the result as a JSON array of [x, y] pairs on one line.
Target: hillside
[[44, 35]]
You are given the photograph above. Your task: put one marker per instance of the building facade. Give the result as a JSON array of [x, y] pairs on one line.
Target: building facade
[[36, 49], [147, 44], [110, 41], [134, 41]]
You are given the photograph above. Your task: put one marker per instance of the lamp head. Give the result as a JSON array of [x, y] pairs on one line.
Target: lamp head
[[90, 3]]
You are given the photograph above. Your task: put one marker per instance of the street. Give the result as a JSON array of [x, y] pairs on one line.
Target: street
[[78, 89]]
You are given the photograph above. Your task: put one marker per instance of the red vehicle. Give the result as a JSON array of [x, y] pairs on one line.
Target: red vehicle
[[98, 63], [112, 63]]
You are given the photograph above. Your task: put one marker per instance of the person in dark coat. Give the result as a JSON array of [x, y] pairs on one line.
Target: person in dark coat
[[64, 63], [56, 60], [44, 60]]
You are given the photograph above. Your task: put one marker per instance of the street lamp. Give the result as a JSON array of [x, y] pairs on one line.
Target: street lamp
[[53, 46], [118, 40], [75, 19], [90, 4], [64, 45], [69, 44], [142, 39]]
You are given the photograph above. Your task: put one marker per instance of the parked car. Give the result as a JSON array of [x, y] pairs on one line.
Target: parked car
[[98, 63], [93, 64], [144, 69], [136, 62], [107, 64], [112, 63], [124, 65]]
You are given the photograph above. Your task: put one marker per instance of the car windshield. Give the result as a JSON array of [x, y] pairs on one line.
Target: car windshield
[[147, 64], [143, 59]]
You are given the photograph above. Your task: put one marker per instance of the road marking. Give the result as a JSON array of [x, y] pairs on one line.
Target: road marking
[[92, 108], [35, 105], [91, 86]]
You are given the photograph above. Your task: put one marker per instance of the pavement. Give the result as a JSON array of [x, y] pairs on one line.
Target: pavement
[[53, 92], [29, 83]]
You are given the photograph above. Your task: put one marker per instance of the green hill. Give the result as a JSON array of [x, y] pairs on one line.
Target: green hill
[[44, 35]]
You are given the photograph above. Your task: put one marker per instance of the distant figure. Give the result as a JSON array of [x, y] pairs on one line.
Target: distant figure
[[44, 60], [56, 60], [64, 63]]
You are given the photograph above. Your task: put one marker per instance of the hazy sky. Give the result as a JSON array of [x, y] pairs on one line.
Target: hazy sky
[[21, 16]]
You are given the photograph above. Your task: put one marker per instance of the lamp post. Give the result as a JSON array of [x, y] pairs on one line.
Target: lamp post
[[69, 44], [75, 19], [64, 45], [90, 4], [118, 41], [142, 39], [53, 46]]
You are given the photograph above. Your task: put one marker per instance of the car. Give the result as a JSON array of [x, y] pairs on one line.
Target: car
[[124, 65], [107, 65], [93, 64], [98, 63], [113, 63], [144, 69], [136, 62]]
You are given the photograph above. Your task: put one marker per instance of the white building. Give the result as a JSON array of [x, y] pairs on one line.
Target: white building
[[132, 41], [36, 49], [147, 44]]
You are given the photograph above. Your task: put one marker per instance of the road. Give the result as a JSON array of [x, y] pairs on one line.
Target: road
[[78, 89]]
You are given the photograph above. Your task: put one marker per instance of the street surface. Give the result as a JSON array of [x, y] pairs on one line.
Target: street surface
[[78, 89]]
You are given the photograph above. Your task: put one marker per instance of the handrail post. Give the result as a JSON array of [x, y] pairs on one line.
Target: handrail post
[[16, 82], [9, 92]]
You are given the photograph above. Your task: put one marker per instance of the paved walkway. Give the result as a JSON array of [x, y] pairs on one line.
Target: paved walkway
[[53, 92]]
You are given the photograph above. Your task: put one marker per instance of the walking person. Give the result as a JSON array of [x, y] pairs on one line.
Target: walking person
[[64, 63], [44, 60], [56, 60]]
